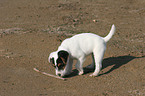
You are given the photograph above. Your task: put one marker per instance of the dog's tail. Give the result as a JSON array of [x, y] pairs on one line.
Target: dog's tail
[[112, 31]]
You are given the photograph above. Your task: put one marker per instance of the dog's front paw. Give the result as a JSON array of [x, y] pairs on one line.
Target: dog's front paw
[[81, 73]]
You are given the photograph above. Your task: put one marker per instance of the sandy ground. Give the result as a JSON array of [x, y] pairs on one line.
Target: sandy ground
[[31, 29]]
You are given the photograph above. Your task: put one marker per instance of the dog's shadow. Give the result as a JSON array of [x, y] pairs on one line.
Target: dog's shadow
[[116, 62]]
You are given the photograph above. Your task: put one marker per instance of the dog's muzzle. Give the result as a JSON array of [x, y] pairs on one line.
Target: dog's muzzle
[[60, 73]]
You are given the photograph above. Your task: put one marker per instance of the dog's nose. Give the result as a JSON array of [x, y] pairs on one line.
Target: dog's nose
[[59, 74]]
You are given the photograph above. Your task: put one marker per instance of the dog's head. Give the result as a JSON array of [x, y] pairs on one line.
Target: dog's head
[[59, 61]]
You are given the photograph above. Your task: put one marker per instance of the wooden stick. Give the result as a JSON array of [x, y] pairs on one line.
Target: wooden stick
[[49, 74]]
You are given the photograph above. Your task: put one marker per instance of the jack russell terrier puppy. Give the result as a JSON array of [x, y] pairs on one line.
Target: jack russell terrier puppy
[[78, 47]]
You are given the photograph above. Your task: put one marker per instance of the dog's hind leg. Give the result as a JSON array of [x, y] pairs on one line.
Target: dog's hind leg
[[79, 65], [98, 57]]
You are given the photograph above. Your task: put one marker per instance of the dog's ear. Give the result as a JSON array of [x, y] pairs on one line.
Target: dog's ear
[[52, 62], [62, 59]]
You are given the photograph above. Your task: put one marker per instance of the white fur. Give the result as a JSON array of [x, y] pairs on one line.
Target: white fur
[[81, 45]]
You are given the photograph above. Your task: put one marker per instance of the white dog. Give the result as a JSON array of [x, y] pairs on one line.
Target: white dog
[[78, 47]]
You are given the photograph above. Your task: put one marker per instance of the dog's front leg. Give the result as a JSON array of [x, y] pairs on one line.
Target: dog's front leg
[[68, 69], [79, 65]]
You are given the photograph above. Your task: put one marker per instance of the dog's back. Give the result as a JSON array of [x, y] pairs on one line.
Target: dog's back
[[87, 37]]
